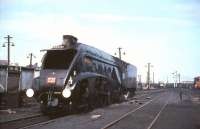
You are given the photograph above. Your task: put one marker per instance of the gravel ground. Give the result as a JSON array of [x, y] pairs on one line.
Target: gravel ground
[[18, 113]]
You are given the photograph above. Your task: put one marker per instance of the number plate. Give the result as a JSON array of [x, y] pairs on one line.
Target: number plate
[[51, 80]]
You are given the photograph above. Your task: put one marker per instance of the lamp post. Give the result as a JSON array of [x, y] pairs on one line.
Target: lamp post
[[176, 77], [122, 63], [31, 56], [8, 45]]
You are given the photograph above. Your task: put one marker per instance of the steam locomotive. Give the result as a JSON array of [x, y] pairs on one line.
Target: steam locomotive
[[74, 76]]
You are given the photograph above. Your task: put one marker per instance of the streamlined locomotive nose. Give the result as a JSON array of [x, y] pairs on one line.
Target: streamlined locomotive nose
[[54, 78]]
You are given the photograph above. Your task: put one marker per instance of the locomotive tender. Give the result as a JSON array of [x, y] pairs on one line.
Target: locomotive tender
[[75, 75]]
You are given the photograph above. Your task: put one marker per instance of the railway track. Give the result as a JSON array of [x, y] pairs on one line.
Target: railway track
[[141, 97], [30, 121], [22, 122], [124, 116], [40, 119]]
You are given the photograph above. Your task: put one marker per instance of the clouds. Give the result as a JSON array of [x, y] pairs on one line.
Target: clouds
[[33, 33], [139, 19]]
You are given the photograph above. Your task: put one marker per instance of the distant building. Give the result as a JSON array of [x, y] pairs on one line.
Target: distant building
[[3, 62], [187, 84]]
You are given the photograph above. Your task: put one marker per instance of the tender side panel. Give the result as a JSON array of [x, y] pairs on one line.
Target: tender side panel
[[130, 77]]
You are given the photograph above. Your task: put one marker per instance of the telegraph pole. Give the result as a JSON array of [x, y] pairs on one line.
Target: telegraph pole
[[176, 75], [122, 64], [8, 43], [179, 78], [139, 78], [139, 81], [120, 56], [153, 77], [148, 73], [120, 52], [31, 58], [167, 80]]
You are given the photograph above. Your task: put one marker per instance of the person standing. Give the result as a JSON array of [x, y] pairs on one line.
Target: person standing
[[181, 94]]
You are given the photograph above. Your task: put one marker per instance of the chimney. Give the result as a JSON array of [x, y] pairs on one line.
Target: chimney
[[69, 41]]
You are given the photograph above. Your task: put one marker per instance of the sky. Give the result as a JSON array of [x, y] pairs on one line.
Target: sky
[[164, 33]]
